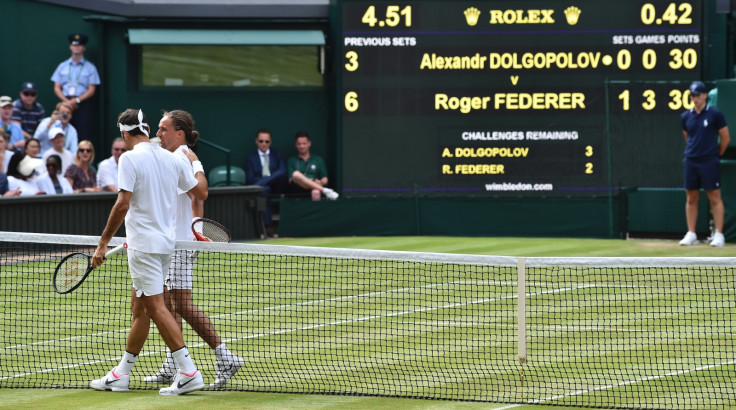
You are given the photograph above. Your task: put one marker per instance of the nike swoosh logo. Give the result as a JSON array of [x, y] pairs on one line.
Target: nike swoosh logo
[[109, 382], [130, 361], [180, 384]]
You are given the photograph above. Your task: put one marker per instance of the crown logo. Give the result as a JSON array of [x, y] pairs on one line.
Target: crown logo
[[572, 13], [471, 16]]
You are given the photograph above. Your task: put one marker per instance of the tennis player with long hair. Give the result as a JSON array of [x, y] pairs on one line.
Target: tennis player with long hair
[[148, 180], [176, 132]]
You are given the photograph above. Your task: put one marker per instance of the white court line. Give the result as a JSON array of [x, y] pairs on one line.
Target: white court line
[[625, 383], [283, 331]]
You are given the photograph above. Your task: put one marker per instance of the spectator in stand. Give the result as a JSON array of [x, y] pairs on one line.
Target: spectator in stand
[[75, 82], [51, 181], [266, 167], [5, 154], [80, 174], [21, 168], [107, 172], [33, 150], [4, 189], [27, 112], [307, 172], [59, 118], [16, 133], [57, 139]]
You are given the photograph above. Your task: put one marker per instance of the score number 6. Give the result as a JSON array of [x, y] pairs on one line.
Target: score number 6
[[351, 101]]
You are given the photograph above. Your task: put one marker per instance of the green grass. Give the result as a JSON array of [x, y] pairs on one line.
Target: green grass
[[269, 364]]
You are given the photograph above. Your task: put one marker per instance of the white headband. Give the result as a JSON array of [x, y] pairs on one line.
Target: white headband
[[142, 125]]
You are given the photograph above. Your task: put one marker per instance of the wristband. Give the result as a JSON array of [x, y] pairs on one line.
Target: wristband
[[197, 167]]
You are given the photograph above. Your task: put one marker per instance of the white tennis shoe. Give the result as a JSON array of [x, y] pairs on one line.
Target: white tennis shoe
[[111, 382], [718, 240], [225, 371], [164, 375], [330, 194], [184, 383], [689, 239]]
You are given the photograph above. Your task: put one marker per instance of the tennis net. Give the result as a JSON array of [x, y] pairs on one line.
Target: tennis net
[[605, 332]]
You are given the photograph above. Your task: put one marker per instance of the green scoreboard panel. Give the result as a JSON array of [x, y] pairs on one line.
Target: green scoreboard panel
[[543, 98]]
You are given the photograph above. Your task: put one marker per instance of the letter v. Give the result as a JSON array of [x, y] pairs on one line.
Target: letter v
[[514, 79]]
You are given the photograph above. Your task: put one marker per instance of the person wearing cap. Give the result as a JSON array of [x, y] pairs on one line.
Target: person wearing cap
[[75, 82], [701, 126], [60, 118], [27, 112], [57, 139], [16, 133], [20, 169]]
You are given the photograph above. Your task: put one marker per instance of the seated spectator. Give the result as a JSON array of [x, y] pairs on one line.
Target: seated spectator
[[266, 167], [4, 188], [16, 133], [307, 172], [20, 169], [52, 182], [33, 150], [5, 153], [60, 118], [57, 139], [80, 174], [27, 112], [107, 172]]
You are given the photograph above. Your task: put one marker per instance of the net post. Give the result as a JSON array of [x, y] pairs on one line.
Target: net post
[[521, 307]]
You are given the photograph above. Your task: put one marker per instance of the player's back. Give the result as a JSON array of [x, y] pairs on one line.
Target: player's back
[[153, 175]]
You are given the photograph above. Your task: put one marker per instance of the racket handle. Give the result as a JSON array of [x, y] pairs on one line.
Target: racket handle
[[116, 249]]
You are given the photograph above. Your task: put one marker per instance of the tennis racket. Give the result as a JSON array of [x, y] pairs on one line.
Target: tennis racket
[[207, 230], [74, 269]]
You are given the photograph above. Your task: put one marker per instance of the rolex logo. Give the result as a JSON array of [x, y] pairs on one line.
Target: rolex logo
[[471, 16], [572, 13]]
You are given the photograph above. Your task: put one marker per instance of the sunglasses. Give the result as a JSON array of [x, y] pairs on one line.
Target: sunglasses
[[29, 94], [264, 141], [120, 149], [84, 149]]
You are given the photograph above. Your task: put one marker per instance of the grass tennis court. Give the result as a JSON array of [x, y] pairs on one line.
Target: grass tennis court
[[280, 315]]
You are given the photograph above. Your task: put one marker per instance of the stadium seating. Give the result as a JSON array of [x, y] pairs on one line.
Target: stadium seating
[[218, 176]]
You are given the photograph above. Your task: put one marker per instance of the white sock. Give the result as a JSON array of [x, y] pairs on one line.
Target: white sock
[[222, 353], [126, 363], [183, 361]]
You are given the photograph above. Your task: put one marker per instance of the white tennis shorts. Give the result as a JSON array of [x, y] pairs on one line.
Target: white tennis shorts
[[148, 271], [181, 270]]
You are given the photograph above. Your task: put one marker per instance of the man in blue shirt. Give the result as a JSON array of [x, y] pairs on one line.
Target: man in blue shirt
[[701, 126], [75, 82], [14, 131]]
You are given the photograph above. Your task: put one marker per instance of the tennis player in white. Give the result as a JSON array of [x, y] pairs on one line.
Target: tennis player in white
[[176, 132], [148, 179]]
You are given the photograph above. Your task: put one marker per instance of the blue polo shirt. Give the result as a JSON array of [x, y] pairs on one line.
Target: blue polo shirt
[[702, 132], [75, 76], [14, 130]]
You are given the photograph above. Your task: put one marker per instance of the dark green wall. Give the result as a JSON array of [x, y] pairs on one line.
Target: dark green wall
[[35, 42]]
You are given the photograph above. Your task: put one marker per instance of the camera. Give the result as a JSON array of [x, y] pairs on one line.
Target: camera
[[65, 115]]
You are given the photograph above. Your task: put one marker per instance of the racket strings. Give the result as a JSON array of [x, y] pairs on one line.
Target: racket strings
[[71, 271], [212, 232]]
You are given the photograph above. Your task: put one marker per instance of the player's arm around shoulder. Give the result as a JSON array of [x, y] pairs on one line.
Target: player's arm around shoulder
[[201, 190]]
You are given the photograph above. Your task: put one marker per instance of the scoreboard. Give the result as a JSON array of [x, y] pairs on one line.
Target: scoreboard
[[525, 97]]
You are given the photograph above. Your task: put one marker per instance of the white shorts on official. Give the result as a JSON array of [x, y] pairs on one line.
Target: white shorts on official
[[148, 271], [181, 270]]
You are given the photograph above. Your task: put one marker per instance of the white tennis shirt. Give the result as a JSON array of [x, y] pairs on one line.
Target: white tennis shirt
[[154, 176], [184, 205]]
